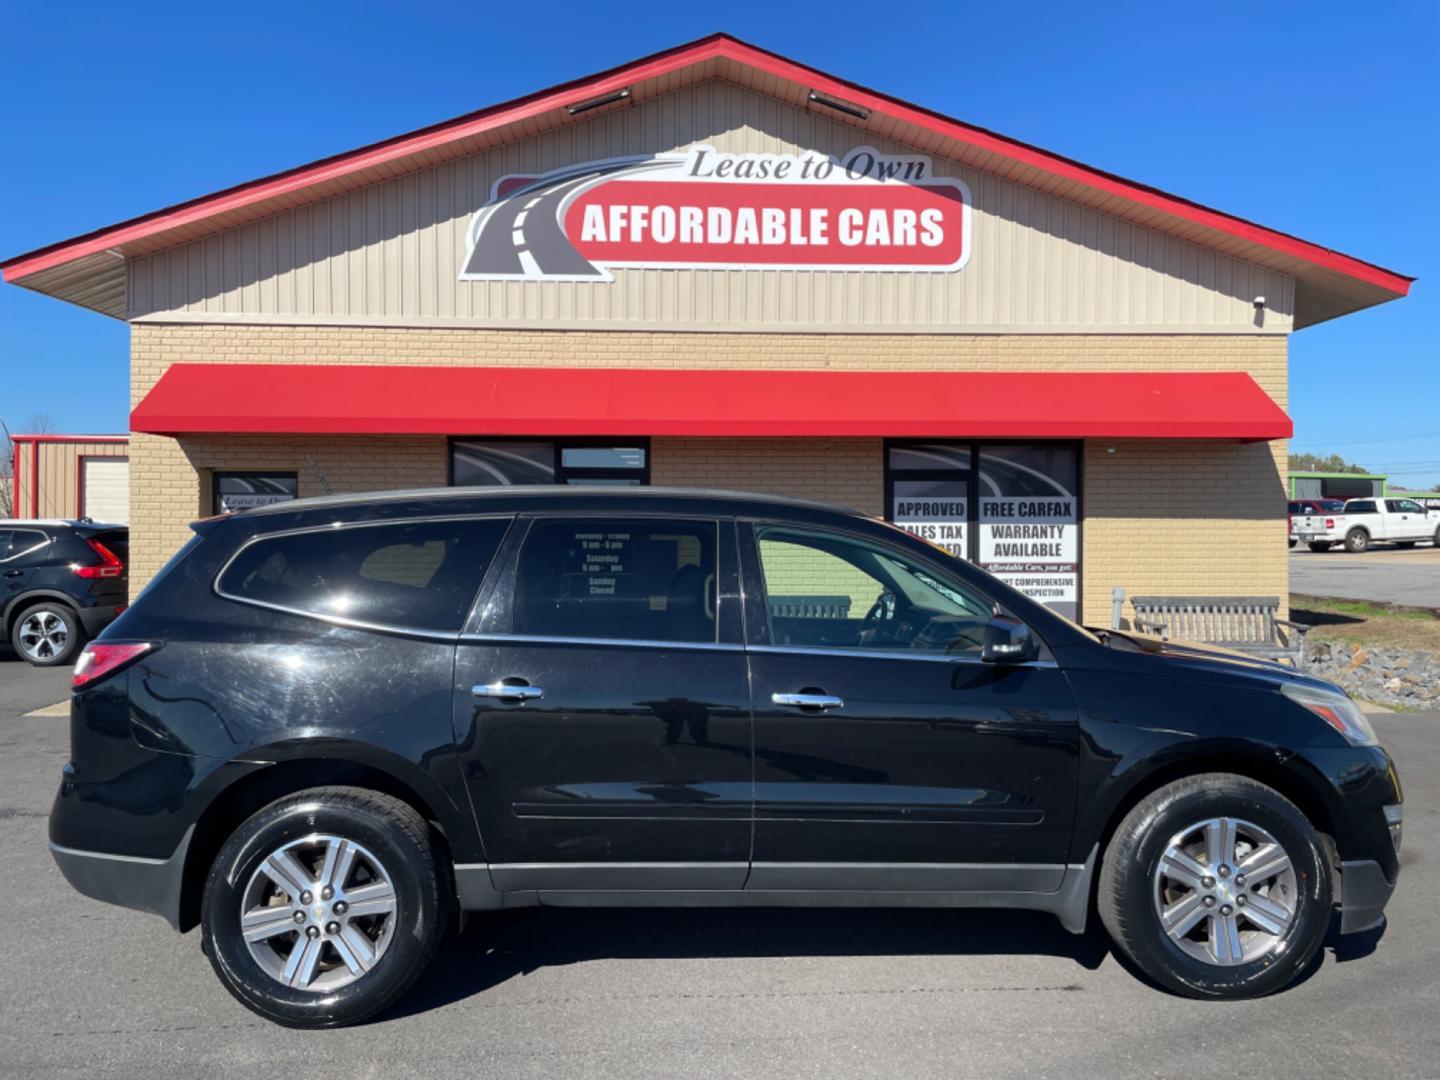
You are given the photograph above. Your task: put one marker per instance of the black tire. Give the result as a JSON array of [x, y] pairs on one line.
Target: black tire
[[1127, 882], [1437, 538], [20, 631], [1319, 545], [390, 829], [1356, 541], [1293, 541]]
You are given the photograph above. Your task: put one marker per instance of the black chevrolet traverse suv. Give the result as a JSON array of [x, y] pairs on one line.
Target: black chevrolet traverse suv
[[328, 724], [61, 583]]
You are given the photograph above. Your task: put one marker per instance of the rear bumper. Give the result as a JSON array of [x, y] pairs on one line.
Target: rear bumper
[[1364, 892], [151, 885], [95, 619]]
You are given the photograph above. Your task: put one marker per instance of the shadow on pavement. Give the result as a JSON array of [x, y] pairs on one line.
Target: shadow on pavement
[[498, 947], [1353, 946], [1310, 617]]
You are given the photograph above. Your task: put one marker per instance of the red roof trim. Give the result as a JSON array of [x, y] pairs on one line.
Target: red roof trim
[[373, 399], [661, 63], [69, 438]]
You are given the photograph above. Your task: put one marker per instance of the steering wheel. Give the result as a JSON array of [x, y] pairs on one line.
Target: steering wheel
[[883, 610]]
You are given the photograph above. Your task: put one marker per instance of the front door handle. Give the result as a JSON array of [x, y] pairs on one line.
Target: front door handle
[[808, 701], [507, 691], [13, 573]]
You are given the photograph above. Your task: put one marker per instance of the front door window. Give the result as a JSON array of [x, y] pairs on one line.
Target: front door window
[[828, 590]]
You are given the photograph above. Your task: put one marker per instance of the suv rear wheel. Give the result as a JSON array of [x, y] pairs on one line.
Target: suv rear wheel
[[1216, 886], [47, 634], [324, 907]]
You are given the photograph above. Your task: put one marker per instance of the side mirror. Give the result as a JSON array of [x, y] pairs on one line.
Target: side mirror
[[1007, 641]]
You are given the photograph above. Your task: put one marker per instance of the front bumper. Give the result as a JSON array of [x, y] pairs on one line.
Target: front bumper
[[1364, 892], [152, 885]]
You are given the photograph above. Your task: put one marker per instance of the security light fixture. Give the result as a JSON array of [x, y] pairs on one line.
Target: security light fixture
[[599, 102], [840, 106], [1259, 301]]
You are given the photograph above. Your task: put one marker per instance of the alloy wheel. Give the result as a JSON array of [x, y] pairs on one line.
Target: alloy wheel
[[318, 913], [1225, 891], [43, 635]]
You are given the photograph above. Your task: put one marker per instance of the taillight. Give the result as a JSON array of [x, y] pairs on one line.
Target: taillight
[[101, 658], [109, 567], [1329, 523]]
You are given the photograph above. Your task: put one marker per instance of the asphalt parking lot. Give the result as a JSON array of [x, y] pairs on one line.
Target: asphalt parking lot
[[1382, 574], [91, 991]]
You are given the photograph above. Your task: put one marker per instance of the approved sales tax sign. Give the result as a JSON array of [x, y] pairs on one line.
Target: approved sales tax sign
[[705, 209]]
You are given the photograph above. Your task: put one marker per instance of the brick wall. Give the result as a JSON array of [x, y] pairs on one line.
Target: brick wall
[[1160, 516]]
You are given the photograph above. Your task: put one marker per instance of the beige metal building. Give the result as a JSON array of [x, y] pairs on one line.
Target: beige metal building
[[70, 476], [714, 266]]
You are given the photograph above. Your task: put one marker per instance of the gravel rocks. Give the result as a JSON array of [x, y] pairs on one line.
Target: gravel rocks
[[1399, 678]]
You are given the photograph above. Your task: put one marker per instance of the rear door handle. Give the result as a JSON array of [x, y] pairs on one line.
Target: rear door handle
[[507, 691], [808, 701], [13, 573]]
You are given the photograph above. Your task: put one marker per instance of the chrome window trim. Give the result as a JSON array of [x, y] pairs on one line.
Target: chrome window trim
[[340, 620], [897, 654], [29, 550], [634, 643]]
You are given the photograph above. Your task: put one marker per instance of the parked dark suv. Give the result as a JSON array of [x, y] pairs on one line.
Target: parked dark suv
[[61, 583], [328, 724]]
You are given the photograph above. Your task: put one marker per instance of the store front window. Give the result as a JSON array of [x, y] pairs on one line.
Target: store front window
[[233, 491], [521, 461], [1014, 508]]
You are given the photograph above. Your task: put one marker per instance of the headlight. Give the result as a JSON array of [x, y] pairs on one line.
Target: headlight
[[1336, 709]]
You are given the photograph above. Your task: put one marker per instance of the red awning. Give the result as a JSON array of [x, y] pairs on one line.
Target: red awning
[[404, 400]]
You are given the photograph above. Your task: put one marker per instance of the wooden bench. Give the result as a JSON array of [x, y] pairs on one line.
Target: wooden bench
[[1248, 624]]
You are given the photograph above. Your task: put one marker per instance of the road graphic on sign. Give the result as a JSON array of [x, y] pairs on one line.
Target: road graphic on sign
[[520, 235]]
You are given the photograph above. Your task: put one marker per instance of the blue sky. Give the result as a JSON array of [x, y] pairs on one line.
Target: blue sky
[[1317, 119]]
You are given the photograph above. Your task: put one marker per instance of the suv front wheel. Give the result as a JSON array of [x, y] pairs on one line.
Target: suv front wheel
[[1216, 886], [324, 907]]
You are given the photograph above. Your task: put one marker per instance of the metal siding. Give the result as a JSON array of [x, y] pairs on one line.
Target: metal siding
[[393, 249], [57, 472]]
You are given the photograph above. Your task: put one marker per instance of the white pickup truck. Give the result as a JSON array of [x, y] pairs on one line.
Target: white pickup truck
[[1401, 521]]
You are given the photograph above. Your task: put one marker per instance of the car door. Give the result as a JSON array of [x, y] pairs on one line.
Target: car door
[[887, 756], [21, 553], [1409, 520], [602, 711]]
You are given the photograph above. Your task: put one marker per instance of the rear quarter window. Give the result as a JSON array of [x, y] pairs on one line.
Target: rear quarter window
[[24, 545], [420, 575]]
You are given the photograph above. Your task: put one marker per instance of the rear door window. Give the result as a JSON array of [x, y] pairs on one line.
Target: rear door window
[[422, 575], [636, 579]]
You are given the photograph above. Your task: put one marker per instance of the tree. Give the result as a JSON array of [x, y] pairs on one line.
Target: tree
[[7, 481], [40, 424], [1315, 463]]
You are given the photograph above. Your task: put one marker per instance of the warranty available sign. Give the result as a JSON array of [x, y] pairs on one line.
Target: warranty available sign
[[706, 209]]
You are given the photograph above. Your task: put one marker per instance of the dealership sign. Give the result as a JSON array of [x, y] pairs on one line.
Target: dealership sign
[[706, 209]]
